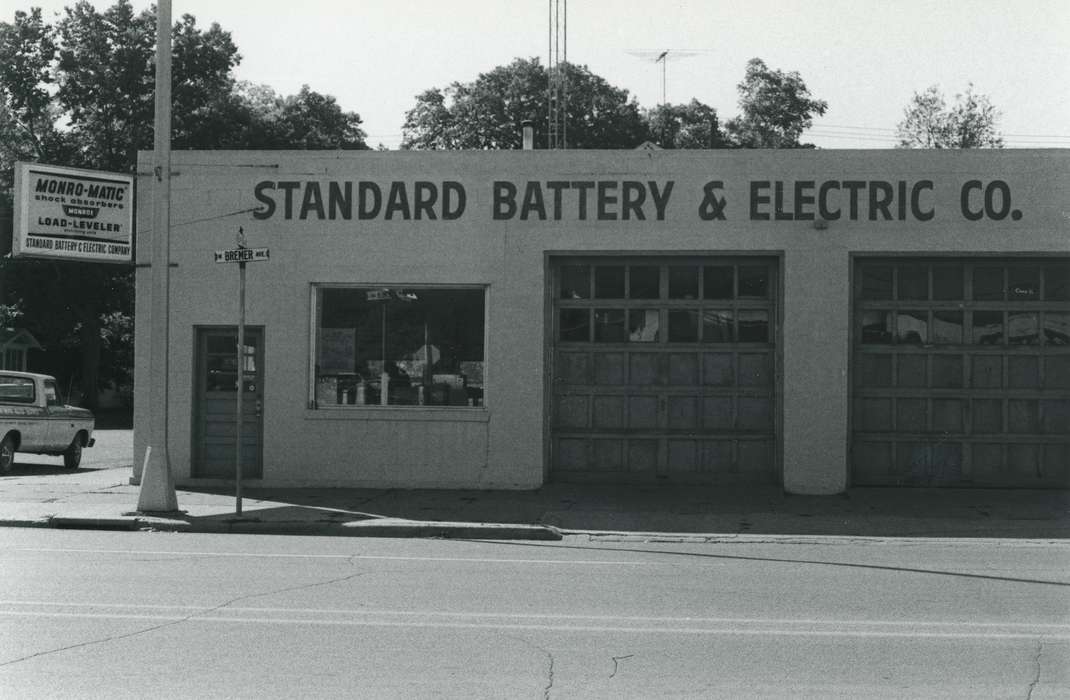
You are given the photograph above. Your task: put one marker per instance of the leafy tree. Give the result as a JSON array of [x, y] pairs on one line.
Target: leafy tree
[[928, 122], [487, 113], [692, 125], [776, 108], [82, 93]]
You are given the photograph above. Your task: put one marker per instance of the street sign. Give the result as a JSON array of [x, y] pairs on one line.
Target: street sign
[[242, 255]]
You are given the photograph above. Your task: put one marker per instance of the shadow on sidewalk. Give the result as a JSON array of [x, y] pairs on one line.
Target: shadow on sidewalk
[[710, 510]]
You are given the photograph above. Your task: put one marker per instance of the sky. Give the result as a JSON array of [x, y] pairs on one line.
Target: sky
[[866, 58]]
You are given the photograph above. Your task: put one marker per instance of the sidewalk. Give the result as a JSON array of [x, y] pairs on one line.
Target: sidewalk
[[45, 495]]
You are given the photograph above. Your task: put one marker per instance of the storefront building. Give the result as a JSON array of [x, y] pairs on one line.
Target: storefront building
[[810, 319]]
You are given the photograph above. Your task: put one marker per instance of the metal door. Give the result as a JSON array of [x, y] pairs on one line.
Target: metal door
[[663, 369], [215, 417]]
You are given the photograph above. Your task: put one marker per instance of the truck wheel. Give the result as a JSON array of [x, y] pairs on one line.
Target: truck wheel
[[7, 454], [73, 456]]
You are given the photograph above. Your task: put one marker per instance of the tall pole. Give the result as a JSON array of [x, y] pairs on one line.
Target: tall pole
[[241, 386], [157, 483]]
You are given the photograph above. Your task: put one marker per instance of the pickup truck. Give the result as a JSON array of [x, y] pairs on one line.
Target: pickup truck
[[33, 419]]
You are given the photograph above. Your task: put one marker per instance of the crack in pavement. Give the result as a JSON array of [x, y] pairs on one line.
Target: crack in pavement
[[187, 618], [1036, 678], [615, 660], [549, 657]]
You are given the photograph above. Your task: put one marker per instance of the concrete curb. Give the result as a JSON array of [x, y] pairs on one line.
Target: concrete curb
[[377, 527]]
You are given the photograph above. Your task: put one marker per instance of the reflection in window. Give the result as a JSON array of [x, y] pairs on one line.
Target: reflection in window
[[1024, 283], [1023, 328], [987, 328], [912, 327], [948, 283], [609, 326], [717, 326], [717, 282], [575, 325], [403, 347], [609, 282], [876, 282], [753, 326], [683, 282], [947, 327], [683, 326], [876, 327], [754, 281], [1057, 328], [913, 282], [644, 282], [988, 284], [643, 325]]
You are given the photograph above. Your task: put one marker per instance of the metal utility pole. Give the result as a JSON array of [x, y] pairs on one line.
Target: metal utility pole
[[157, 492], [557, 73]]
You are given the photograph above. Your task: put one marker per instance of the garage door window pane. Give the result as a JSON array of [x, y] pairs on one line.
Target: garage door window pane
[[988, 284], [876, 282], [913, 282], [1024, 283], [575, 325], [717, 282], [876, 327], [912, 327], [1056, 328], [683, 282], [754, 282], [609, 326], [683, 326], [575, 282], [753, 326], [1057, 282], [1023, 328], [717, 326], [987, 328], [644, 282], [609, 282], [948, 283], [643, 325], [947, 327]]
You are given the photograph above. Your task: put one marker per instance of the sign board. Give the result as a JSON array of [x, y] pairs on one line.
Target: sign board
[[242, 255], [73, 214]]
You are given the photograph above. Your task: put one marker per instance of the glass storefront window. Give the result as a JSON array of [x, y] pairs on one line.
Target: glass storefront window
[[575, 282], [718, 282], [609, 326], [407, 346], [609, 282], [683, 282], [643, 325], [644, 282]]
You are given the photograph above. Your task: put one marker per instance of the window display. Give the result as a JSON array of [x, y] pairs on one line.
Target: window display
[[394, 346]]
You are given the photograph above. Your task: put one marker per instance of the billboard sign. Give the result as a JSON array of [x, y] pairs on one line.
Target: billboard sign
[[73, 214]]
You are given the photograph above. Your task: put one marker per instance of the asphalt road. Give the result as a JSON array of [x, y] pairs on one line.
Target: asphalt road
[[93, 614]]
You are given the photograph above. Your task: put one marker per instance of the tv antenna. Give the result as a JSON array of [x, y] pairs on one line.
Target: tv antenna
[[663, 56], [557, 67]]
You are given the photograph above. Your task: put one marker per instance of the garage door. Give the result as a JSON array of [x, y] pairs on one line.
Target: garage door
[[663, 369], [961, 372]]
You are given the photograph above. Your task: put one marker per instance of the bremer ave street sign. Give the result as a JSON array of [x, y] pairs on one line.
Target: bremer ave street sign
[[241, 255]]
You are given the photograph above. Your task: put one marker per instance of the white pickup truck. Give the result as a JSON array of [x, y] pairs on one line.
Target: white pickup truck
[[33, 419]]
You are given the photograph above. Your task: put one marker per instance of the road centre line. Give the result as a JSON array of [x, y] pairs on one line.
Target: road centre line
[[739, 631], [364, 612]]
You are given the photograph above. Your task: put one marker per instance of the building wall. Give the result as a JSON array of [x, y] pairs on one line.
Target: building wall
[[503, 444]]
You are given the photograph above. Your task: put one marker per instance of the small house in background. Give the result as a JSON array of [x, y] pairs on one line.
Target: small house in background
[[14, 346]]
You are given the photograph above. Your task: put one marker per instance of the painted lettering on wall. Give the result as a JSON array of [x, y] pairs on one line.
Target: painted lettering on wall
[[631, 200]]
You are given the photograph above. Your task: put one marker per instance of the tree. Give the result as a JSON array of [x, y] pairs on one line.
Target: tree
[[487, 113], [929, 123], [82, 93], [776, 108], [692, 125]]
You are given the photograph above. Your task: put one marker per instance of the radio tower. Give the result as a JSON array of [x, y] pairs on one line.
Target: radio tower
[[557, 92]]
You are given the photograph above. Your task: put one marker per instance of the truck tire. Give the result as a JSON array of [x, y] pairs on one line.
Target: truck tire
[[7, 454], [73, 456]]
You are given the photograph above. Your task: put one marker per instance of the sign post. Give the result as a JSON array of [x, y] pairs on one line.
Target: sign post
[[240, 255]]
